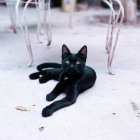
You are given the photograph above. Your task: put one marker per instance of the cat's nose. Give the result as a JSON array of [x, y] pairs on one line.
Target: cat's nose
[[71, 69], [71, 66]]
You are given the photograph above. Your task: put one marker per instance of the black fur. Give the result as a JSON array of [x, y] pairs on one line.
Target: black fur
[[72, 75]]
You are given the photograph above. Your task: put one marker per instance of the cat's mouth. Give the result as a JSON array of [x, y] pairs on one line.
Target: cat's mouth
[[72, 72]]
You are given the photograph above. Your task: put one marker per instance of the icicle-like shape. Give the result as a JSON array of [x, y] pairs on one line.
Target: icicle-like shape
[[114, 24]]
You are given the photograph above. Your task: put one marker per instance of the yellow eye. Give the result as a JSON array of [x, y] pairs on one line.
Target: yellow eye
[[67, 62], [77, 62]]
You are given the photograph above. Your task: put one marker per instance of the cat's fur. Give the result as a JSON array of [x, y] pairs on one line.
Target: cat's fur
[[72, 75]]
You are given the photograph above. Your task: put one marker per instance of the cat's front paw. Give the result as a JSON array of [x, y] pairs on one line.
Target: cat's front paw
[[47, 112], [42, 80], [50, 97], [34, 76]]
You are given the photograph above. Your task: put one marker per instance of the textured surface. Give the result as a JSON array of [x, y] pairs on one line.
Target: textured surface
[[104, 112]]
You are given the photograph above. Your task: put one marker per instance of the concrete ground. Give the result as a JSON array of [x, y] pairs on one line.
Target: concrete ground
[[108, 111]]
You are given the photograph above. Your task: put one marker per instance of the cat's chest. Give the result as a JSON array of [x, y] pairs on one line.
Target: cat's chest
[[71, 79], [66, 78]]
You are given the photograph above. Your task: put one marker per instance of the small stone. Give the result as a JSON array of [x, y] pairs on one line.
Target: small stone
[[113, 113], [41, 129], [113, 89], [21, 108]]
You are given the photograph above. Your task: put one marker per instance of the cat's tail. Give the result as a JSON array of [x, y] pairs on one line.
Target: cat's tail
[[48, 65]]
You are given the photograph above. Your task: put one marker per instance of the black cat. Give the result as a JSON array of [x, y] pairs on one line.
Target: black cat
[[72, 75]]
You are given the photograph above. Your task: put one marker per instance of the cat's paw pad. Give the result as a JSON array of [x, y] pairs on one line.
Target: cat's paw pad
[[50, 97], [47, 112], [34, 76]]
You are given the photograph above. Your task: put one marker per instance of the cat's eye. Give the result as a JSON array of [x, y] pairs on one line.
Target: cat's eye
[[67, 62], [77, 62]]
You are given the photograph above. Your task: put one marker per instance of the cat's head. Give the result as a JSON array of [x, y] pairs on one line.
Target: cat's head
[[73, 63]]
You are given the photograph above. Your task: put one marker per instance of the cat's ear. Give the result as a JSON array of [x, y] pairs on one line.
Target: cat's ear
[[65, 51], [83, 53]]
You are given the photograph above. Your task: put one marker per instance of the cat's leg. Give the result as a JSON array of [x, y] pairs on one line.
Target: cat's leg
[[54, 74], [67, 101], [56, 91], [59, 88], [50, 74], [49, 110], [42, 76], [46, 75]]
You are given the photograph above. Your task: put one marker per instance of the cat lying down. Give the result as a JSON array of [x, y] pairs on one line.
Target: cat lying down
[[72, 75]]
